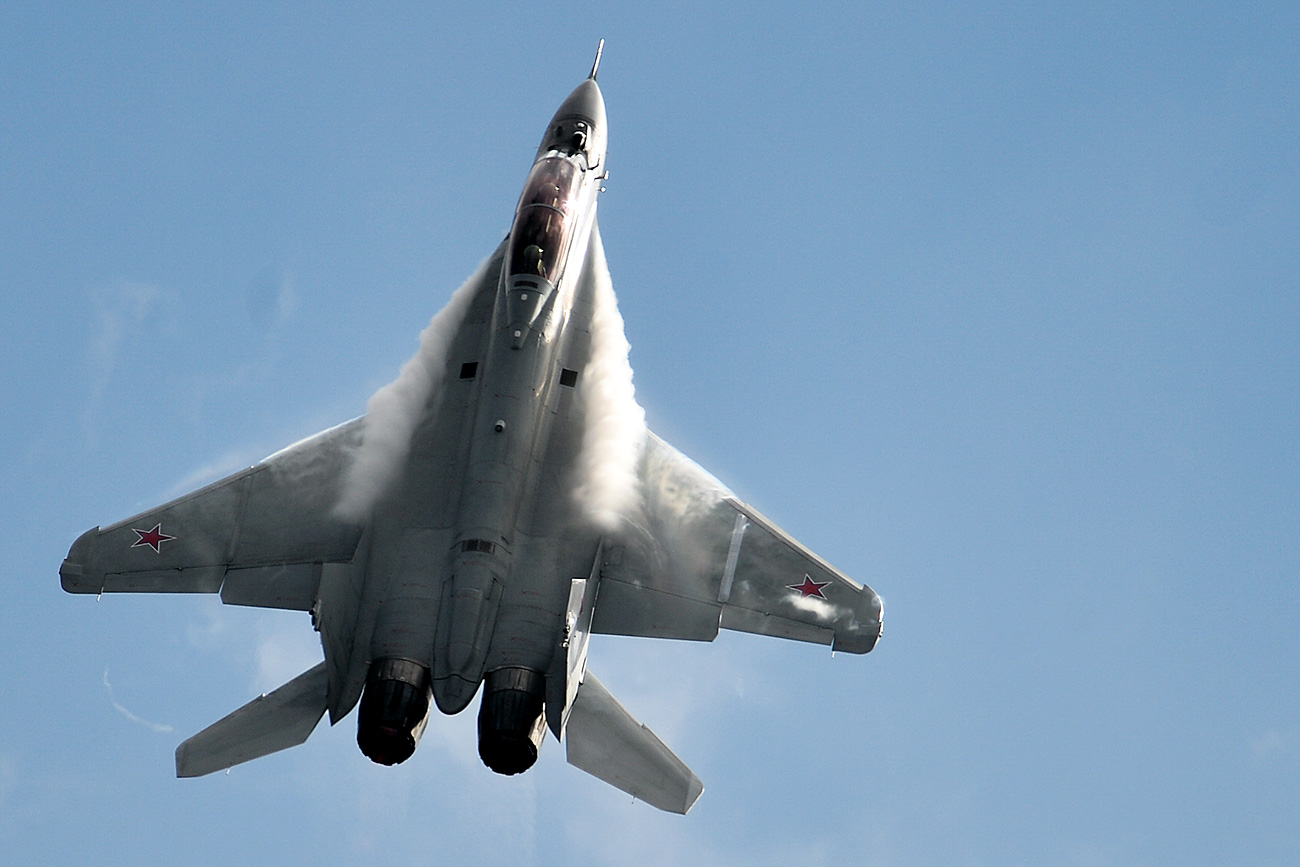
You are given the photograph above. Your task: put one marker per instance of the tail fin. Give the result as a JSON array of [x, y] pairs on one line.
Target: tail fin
[[604, 740], [267, 724]]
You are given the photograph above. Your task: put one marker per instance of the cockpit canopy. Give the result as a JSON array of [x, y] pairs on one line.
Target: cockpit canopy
[[543, 220]]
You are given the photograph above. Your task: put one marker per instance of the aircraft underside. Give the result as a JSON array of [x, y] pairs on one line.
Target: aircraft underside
[[499, 503]]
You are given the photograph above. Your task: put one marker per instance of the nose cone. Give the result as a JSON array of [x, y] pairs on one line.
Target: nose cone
[[579, 125], [585, 102]]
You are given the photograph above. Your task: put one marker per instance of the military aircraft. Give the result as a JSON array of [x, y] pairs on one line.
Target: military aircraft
[[498, 504]]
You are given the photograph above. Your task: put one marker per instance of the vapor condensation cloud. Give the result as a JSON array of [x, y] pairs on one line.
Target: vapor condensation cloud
[[615, 434], [231, 462], [120, 309], [152, 726], [393, 412], [1272, 744]]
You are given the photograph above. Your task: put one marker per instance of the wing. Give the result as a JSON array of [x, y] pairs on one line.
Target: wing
[[258, 537], [701, 559]]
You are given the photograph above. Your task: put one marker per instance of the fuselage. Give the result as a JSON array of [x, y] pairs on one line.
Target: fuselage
[[433, 633]]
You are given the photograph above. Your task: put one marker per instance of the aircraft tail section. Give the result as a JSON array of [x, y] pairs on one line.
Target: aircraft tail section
[[267, 724], [604, 740]]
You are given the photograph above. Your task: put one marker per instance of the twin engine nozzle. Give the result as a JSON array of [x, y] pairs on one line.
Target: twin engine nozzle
[[395, 710]]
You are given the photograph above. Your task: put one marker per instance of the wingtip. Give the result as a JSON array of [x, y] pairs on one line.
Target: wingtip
[[183, 769], [73, 574], [693, 792], [186, 766]]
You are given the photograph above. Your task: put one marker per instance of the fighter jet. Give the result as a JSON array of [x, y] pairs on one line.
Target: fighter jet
[[497, 505]]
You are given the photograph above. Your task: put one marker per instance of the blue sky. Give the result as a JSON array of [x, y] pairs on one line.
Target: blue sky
[[996, 307]]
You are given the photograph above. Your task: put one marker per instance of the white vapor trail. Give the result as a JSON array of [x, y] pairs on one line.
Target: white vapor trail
[[157, 727], [393, 412], [608, 483]]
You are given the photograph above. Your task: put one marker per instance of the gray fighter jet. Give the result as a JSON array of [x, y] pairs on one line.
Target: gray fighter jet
[[498, 504]]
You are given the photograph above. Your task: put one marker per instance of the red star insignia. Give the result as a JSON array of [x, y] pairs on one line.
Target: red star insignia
[[809, 587], [153, 538]]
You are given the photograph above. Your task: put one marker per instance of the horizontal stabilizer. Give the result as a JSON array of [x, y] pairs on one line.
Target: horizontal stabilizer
[[267, 724], [604, 740]]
